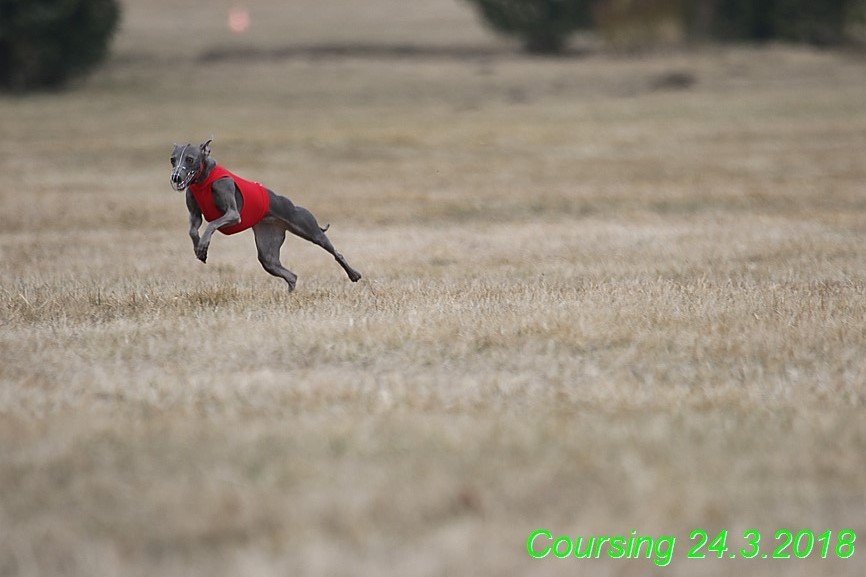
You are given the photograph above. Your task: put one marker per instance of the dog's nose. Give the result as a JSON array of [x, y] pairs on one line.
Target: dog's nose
[[175, 178]]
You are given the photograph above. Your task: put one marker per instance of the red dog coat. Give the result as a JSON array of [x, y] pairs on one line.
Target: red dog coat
[[254, 209]]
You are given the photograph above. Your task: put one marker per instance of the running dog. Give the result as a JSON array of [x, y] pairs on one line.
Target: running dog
[[231, 204]]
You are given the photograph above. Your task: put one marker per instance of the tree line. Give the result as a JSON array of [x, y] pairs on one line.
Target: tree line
[[45, 43], [544, 26]]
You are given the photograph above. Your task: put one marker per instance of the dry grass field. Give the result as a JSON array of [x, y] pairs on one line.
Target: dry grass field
[[594, 301]]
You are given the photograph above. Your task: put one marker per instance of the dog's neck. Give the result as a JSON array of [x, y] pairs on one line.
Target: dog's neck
[[209, 164]]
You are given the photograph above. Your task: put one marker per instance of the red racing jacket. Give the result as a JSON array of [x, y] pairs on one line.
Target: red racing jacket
[[254, 209]]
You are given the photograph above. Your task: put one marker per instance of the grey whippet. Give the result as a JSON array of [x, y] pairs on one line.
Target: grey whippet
[[231, 204]]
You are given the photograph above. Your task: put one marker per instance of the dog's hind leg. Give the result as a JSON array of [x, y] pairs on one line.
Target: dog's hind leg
[[269, 239], [302, 223]]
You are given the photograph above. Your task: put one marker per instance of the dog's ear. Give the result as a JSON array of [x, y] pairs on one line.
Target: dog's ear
[[205, 147]]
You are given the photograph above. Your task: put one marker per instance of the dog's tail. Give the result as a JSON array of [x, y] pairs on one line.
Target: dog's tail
[[326, 227]]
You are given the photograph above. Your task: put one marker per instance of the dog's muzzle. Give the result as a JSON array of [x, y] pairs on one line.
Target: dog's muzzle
[[181, 179]]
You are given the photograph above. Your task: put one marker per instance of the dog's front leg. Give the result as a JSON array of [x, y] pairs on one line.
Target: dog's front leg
[[224, 197], [195, 220]]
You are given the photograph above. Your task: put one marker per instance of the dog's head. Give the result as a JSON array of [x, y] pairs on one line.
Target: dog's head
[[187, 163]]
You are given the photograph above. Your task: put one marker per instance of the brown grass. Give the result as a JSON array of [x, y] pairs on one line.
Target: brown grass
[[593, 302]]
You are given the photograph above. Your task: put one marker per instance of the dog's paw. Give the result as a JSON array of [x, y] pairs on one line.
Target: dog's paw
[[201, 254]]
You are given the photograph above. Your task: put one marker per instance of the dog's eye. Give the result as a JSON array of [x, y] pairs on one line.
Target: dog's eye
[[189, 159], [173, 161]]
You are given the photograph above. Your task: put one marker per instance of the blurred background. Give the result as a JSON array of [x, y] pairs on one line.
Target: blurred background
[[47, 43]]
